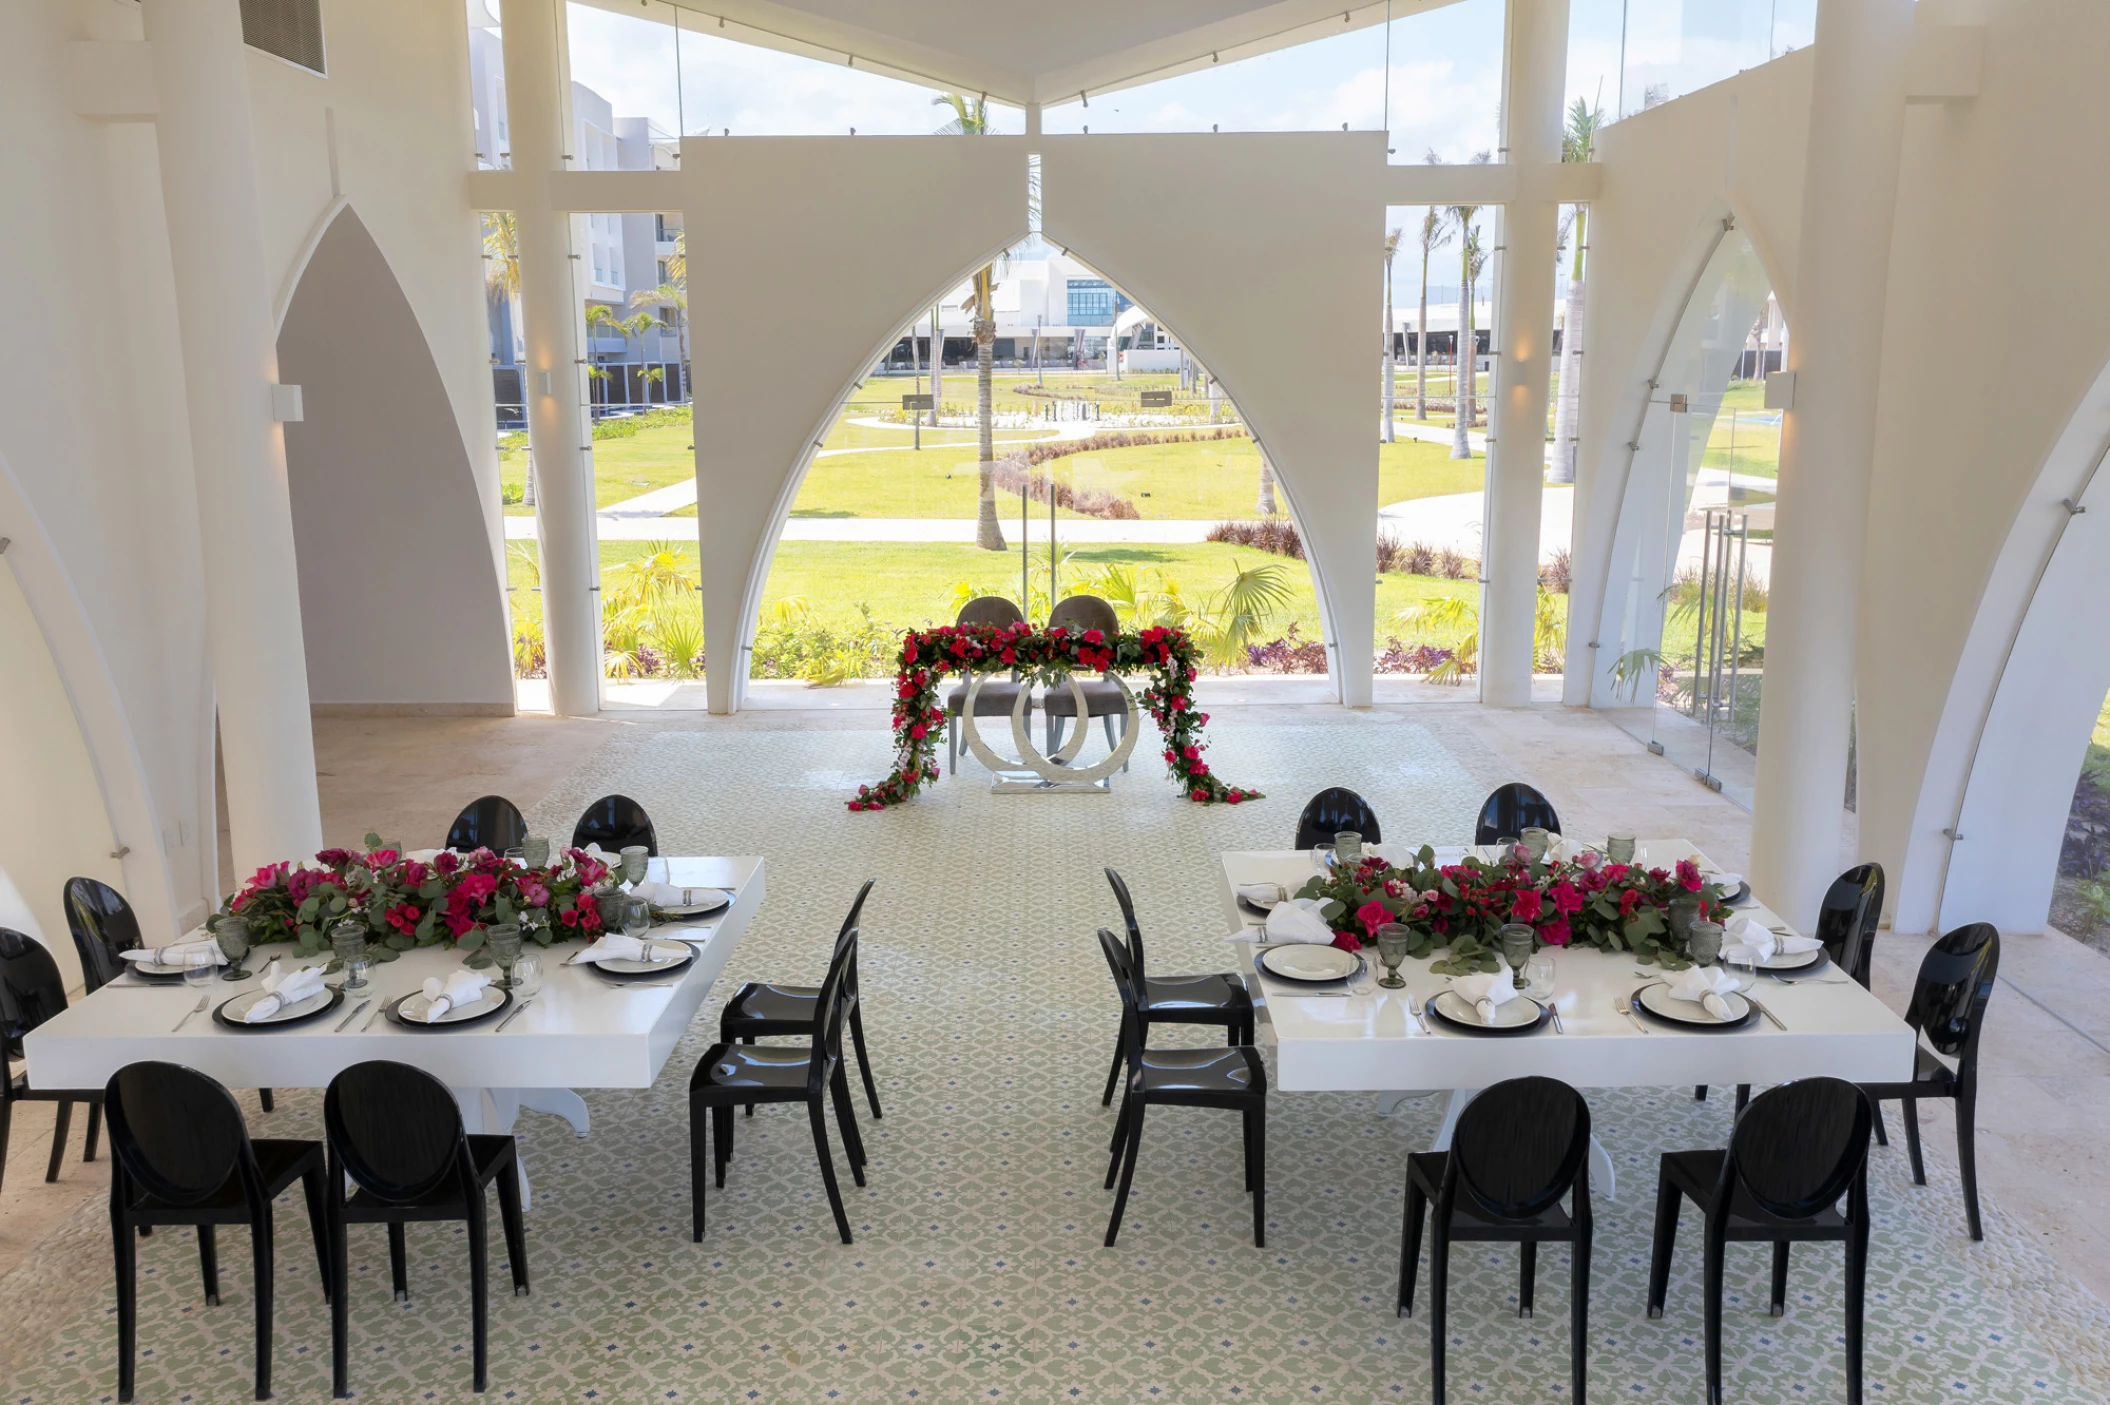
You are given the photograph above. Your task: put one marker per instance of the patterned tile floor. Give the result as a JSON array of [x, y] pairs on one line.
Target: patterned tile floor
[[977, 1272]]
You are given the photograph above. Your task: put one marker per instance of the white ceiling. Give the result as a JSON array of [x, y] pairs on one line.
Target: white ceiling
[[1022, 51]]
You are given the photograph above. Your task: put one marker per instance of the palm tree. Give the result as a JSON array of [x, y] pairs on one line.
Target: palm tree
[[597, 315], [636, 326], [502, 263], [1266, 502], [971, 119], [1466, 377], [1434, 235], [1391, 252], [1576, 145]]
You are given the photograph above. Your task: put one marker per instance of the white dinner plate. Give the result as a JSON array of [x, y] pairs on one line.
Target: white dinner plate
[[1791, 960], [1521, 1010], [237, 1009], [1308, 961], [1658, 1001], [412, 1008], [706, 900], [675, 956]]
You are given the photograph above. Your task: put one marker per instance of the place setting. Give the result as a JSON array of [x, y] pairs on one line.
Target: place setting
[[285, 999], [1715, 998], [632, 955]]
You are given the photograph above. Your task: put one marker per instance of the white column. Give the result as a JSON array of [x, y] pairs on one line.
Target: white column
[[1857, 115], [558, 426], [1536, 79], [230, 363]]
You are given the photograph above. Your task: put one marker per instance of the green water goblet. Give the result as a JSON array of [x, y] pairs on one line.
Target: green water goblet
[[535, 852], [1703, 942], [503, 939], [1393, 939], [1683, 913], [1619, 848], [348, 940], [1517, 942], [1536, 842], [233, 935], [1348, 846]]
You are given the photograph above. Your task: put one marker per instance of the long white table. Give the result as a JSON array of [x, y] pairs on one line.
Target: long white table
[[581, 1031], [1368, 1041]]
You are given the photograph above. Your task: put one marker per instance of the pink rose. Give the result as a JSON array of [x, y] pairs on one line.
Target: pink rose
[[1373, 915]]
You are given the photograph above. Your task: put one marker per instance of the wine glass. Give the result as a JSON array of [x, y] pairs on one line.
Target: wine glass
[[635, 857], [199, 975], [232, 933], [1538, 977], [1322, 858], [637, 923], [1517, 941], [1393, 938], [348, 939], [504, 941]]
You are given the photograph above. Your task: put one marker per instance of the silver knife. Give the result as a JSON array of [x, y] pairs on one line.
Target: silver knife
[[353, 1015], [371, 1018], [1777, 1023], [517, 1011]]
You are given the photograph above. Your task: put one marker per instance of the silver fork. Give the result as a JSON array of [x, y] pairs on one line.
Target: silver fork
[[1414, 1008], [203, 1001], [1623, 1008]]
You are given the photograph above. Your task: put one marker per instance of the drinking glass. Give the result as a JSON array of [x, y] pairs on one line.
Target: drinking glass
[[1506, 848], [199, 976], [637, 921], [504, 940], [517, 854], [1619, 848], [1393, 938], [1538, 977], [348, 939], [1348, 846], [535, 851], [634, 858], [232, 933], [1518, 941], [1536, 842], [1683, 913], [1736, 960], [527, 974], [1703, 942]]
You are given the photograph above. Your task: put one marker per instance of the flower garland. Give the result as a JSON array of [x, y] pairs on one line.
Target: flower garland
[[1462, 906], [408, 902], [1045, 656]]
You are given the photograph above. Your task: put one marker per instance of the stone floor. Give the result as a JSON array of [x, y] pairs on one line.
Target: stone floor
[[2043, 1130]]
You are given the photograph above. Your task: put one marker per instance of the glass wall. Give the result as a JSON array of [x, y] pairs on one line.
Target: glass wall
[[1684, 626], [2080, 899], [1636, 54]]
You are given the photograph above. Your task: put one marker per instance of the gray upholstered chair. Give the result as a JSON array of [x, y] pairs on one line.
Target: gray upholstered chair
[[1102, 696], [997, 697]]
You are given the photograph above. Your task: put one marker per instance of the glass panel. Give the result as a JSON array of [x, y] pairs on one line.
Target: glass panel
[[1636, 54], [2080, 901], [625, 87], [487, 86], [1443, 94], [1332, 82], [1685, 600]]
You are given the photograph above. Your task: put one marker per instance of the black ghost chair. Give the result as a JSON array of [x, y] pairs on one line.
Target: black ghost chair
[[31, 992], [487, 822], [616, 823], [1333, 810], [1217, 999], [1512, 809]]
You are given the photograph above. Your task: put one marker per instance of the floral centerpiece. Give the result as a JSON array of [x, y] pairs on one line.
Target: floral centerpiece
[[1045, 656], [1586, 901], [408, 902]]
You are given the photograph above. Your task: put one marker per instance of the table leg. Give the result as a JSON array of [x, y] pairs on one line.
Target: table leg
[[558, 1102], [1388, 1102]]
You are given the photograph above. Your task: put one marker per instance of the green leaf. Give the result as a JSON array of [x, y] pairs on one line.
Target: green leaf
[[398, 942], [471, 939]]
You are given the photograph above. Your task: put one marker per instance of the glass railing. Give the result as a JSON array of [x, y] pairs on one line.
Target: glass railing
[[1631, 55]]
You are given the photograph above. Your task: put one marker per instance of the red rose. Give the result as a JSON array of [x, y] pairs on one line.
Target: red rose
[[1346, 941], [1566, 898], [1526, 905], [1199, 794]]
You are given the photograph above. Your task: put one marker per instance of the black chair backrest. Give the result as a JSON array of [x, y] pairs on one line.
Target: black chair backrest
[[833, 999], [178, 1133], [1512, 809], [1126, 986], [1520, 1145], [1871, 879], [990, 609], [1798, 1147], [1078, 613], [1135, 932], [615, 822], [396, 1130], [1844, 921], [31, 991], [1332, 810], [488, 822], [1955, 982], [102, 925]]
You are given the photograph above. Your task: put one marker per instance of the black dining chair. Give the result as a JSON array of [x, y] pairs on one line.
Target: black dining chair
[[1948, 1007], [487, 822], [103, 924], [1512, 809], [181, 1155], [397, 1133], [1220, 999], [999, 695], [1846, 926], [1331, 811], [1519, 1147], [1103, 698], [760, 1009], [616, 823], [1230, 1077], [739, 1075], [31, 992], [1796, 1150]]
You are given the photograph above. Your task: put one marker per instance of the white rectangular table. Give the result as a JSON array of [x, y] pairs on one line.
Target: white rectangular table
[[1368, 1041], [581, 1031]]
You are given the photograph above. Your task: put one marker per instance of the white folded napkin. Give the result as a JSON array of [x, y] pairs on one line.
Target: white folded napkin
[[671, 894], [203, 952], [614, 946], [286, 988], [1262, 894], [1706, 985], [1750, 941], [1486, 992], [424, 856], [1298, 920], [1727, 882], [463, 987]]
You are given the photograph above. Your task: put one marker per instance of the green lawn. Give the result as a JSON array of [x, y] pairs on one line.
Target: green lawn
[[911, 584], [1739, 442]]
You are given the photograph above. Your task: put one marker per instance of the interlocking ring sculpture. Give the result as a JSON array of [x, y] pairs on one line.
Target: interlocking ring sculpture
[[1056, 769]]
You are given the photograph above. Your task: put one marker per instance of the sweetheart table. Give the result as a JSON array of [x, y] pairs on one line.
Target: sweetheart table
[[1368, 1041], [580, 1031]]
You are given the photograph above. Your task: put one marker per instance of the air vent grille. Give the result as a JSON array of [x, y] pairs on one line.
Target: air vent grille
[[291, 29]]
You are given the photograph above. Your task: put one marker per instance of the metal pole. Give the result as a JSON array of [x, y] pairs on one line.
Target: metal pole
[[1721, 622], [1699, 639], [1736, 647]]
